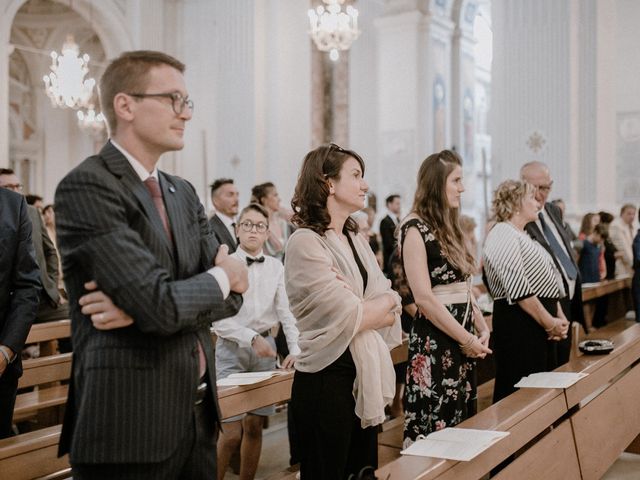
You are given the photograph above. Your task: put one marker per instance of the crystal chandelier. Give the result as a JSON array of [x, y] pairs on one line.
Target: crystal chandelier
[[90, 122], [332, 29], [65, 85]]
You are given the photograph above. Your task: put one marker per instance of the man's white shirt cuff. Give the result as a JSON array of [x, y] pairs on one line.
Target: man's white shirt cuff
[[223, 280]]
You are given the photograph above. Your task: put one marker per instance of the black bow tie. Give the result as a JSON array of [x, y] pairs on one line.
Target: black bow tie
[[251, 261]]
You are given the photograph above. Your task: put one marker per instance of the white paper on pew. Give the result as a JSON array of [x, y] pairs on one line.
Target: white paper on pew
[[550, 380], [462, 444], [247, 378]]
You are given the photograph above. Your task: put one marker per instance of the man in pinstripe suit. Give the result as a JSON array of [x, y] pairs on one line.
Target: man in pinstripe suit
[[145, 279]]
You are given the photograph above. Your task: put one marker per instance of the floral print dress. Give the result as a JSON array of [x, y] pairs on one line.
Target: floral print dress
[[441, 386]]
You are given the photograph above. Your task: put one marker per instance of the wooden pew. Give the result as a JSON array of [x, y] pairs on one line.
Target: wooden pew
[[606, 287], [40, 447], [617, 292], [555, 433], [240, 399], [39, 371], [607, 403], [33, 455], [47, 335]]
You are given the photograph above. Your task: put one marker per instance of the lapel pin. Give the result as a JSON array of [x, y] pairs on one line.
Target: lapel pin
[[172, 189]]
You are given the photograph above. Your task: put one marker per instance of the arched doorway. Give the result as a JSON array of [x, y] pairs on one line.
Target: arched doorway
[[49, 138]]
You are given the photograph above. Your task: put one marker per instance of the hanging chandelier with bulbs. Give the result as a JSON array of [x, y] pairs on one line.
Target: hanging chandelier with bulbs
[[91, 122], [332, 29], [66, 85]]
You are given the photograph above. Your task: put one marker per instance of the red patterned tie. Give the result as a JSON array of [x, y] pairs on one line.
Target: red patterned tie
[[156, 194]]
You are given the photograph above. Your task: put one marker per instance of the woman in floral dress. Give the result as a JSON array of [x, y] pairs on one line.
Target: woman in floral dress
[[441, 388]]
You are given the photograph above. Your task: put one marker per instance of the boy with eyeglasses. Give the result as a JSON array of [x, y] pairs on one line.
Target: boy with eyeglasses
[[244, 341]]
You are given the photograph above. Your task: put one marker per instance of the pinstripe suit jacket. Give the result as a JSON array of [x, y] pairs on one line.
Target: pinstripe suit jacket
[[133, 389]]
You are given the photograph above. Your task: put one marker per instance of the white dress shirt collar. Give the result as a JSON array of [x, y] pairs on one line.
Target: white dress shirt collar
[[135, 164], [393, 217], [242, 254], [228, 221]]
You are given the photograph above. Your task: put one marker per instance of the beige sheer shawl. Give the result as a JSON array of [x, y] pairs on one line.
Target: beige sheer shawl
[[329, 315]]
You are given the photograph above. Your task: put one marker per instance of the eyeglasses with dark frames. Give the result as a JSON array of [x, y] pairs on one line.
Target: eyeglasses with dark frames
[[178, 102], [248, 225]]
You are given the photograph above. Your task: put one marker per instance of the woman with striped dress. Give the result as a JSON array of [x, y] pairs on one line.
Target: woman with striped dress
[[526, 287]]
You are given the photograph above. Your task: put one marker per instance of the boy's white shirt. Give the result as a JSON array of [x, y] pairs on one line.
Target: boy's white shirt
[[265, 304]]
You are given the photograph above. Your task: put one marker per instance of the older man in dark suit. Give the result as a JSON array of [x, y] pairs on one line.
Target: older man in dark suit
[[549, 231], [224, 196], [19, 290], [145, 279]]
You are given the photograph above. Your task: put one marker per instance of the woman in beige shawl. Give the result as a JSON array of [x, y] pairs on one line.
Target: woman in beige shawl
[[348, 318]]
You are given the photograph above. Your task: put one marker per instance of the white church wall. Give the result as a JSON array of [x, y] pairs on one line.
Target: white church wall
[[248, 69], [364, 115], [627, 102]]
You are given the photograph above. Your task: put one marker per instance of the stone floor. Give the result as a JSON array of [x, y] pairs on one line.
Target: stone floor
[[627, 467]]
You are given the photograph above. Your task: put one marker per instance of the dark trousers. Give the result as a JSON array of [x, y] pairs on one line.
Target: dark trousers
[[8, 389], [48, 312], [564, 346], [195, 458], [520, 346], [332, 444]]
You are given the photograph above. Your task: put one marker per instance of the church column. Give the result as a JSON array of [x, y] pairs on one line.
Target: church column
[[463, 100], [329, 95], [414, 80], [553, 96]]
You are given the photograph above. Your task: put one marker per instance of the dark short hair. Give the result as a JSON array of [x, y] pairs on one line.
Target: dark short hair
[[601, 230], [256, 207], [47, 207], [7, 171], [218, 183], [605, 217], [32, 199], [258, 192], [391, 198], [129, 73]]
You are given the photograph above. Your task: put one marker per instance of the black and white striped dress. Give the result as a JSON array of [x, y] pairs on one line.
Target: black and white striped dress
[[516, 268]]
